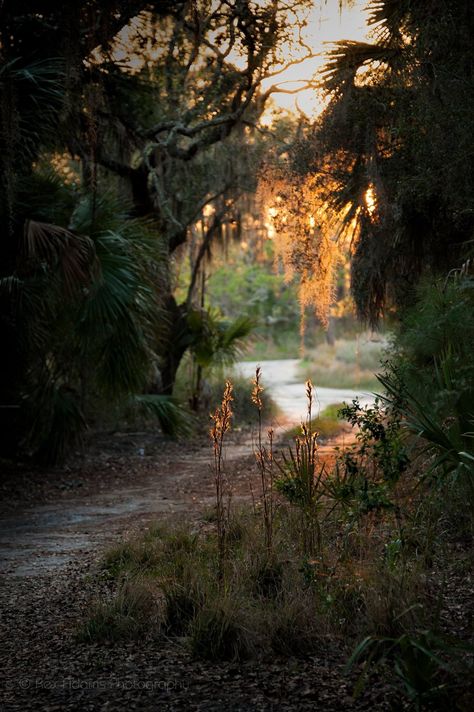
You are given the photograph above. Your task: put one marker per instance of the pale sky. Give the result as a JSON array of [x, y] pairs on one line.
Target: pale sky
[[326, 23]]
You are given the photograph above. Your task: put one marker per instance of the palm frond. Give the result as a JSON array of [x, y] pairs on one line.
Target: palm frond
[[174, 420], [386, 17], [57, 247], [232, 337], [123, 359], [57, 422], [43, 195], [447, 444], [118, 320], [216, 340], [11, 285], [348, 56]]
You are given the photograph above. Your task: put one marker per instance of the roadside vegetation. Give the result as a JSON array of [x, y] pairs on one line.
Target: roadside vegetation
[[348, 363], [328, 424], [370, 548]]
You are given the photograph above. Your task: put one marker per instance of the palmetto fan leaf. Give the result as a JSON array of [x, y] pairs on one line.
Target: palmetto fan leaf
[[97, 344], [217, 340], [119, 321], [450, 447], [348, 56], [57, 247], [58, 423], [44, 196], [386, 16], [173, 419], [33, 94]]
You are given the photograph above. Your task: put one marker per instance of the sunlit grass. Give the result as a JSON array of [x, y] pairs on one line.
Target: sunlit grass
[[326, 424], [347, 364]]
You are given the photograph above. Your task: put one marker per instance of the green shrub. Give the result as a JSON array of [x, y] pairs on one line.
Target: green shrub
[[380, 449], [429, 379], [426, 666]]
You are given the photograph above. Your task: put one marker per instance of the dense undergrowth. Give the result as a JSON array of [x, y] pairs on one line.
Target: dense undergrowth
[[366, 550]]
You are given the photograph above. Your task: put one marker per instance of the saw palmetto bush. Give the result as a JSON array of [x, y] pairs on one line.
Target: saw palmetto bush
[[430, 379], [424, 665], [79, 279], [86, 299]]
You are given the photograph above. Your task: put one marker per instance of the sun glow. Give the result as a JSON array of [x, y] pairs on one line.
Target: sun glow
[[370, 200], [326, 23]]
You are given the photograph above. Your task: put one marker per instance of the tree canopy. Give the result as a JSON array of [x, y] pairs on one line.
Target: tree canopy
[[389, 161], [123, 126]]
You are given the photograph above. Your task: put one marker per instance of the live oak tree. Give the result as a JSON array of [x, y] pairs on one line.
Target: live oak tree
[[177, 129], [65, 296], [156, 104]]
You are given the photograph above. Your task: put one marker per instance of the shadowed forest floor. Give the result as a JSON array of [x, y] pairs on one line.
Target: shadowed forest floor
[[54, 532], [57, 532]]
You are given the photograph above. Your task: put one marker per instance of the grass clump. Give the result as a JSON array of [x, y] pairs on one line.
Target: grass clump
[[294, 625], [221, 630], [129, 558], [182, 603], [132, 612], [328, 424]]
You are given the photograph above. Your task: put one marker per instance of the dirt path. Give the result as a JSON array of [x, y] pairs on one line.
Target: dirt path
[[53, 532], [86, 510], [129, 481], [282, 379]]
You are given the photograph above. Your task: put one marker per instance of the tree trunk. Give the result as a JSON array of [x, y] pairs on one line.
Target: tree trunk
[[174, 343]]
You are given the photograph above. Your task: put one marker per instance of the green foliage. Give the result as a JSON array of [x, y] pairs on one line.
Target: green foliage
[[59, 428], [173, 418], [425, 665], [89, 313], [256, 290], [430, 379], [215, 340], [380, 449], [433, 348]]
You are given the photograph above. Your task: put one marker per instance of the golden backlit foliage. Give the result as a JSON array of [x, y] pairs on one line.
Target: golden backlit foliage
[[310, 238]]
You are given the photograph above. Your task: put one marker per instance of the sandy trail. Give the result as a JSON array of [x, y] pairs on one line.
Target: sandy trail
[[281, 379], [123, 494]]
